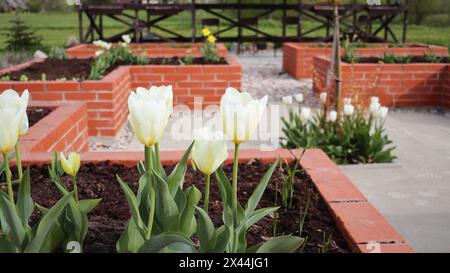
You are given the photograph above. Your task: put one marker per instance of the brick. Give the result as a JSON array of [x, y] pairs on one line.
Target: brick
[[63, 86]]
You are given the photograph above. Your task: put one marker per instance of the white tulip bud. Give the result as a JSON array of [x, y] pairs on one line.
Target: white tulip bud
[[299, 98], [349, 109], [287, 100], [332, 116], [323, 97]]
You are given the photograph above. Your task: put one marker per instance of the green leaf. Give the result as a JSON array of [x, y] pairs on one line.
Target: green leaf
[[187, 220], [25, 205], [160, 241], [54, 238], [258, 192], [226, 196], [131, 240], [47, 223], [223, 237], [281, 244], [143, 196], [58, 183], [6, 246], [176, 178], [166, 208], [259, 214], [88, 205], [141, 168], [9, 217], [205, 231], [133, 203]]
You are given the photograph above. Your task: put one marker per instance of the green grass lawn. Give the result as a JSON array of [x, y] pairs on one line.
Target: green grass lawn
[[56, 27]]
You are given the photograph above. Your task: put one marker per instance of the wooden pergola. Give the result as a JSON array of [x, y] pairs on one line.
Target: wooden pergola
[[367, 22]]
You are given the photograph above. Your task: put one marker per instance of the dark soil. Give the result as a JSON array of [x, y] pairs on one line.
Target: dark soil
[[108, 220], [55, 69], [79, 69], [413, 59], [35, 114]]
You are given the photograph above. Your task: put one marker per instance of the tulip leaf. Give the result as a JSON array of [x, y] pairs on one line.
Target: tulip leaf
[[226, 195], [258, 192], [130, 240], [205, 231], [6, 246], [188, 222], [16, 230], [160, 241], [88, 205], [176, 178], [133, 203], [46, 224], [281, 244], [25, 205], [168, 215], [141, 168], [259, 214], [143, 196], [223, 237], [58, 183], [54, 238]]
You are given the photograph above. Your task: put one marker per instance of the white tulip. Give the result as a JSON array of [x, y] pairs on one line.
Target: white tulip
[[383, 112], [149, 112], [209, 150], [323, 97], [102, 44], [240, 114], [126, 38], [374, 100], [299, 98], [13, 118], [374, 106], [71, 164], [287, 100], [305, 114], [332, 116], [349, 109]]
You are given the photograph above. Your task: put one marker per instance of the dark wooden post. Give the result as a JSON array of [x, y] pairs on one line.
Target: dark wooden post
[[239, 26], [101, 26], [405, 21], [299, 25], [193, 21], [80, 24], [337, 57], [136, 22]]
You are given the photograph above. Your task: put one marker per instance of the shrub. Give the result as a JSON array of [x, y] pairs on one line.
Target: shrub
[[20, 37], [347, 138]]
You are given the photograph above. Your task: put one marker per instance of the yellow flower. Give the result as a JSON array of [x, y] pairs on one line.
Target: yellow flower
[[71, 164], [211, 39], [206, 32]]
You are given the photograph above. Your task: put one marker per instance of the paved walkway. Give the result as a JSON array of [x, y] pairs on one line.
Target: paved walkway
[[414, 192]]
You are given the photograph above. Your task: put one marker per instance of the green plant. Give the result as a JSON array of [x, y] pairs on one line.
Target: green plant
[[20, 37], [23, 78], [326, 242], [43, 77], [288, 174], [5, 78], [430, 58], [57, 52], [394, 59], [187, 60], [209, 47], [351, 139], [350, 54]]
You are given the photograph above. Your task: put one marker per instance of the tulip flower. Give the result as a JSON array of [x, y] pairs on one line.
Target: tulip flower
[[305, 114], [149, 112], [374, 100], [208, 153], [382, 112], [287, 100], [349, 109], [241, 114], [332, 116], [71, 166], [374, 106], [323, 97], [299, 98], [126, 38], [102, 44]]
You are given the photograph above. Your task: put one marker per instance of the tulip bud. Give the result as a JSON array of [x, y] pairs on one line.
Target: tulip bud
[[71, 164], [332, 116], [126, 39], [102, 44], [323, 97], [287, 100], [13, 118], [305, 114], [374, 100], [374, 106], [209, 150], [383, 112], [299, 98], [347, 101], [240, 114], [349, 109], [149, 112]]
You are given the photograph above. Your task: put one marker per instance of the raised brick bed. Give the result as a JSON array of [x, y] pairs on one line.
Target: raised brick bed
[[157, 50], [64, 129], [362, 226], [397, 85], [107, 98], [298, 57]]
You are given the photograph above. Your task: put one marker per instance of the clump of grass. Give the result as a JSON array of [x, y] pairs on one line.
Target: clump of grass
[[395, 59]]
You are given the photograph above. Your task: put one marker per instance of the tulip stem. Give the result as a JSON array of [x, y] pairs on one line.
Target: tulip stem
[[157, 157], [149, 163], [235, 173], [8, 180], [208, 182], [19, 162], [75, 188]]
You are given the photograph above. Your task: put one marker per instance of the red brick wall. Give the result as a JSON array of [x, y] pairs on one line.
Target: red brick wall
[[398, 85], [153, 50], [64, 129], [107, 98], [298, 57], [446, 92]]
